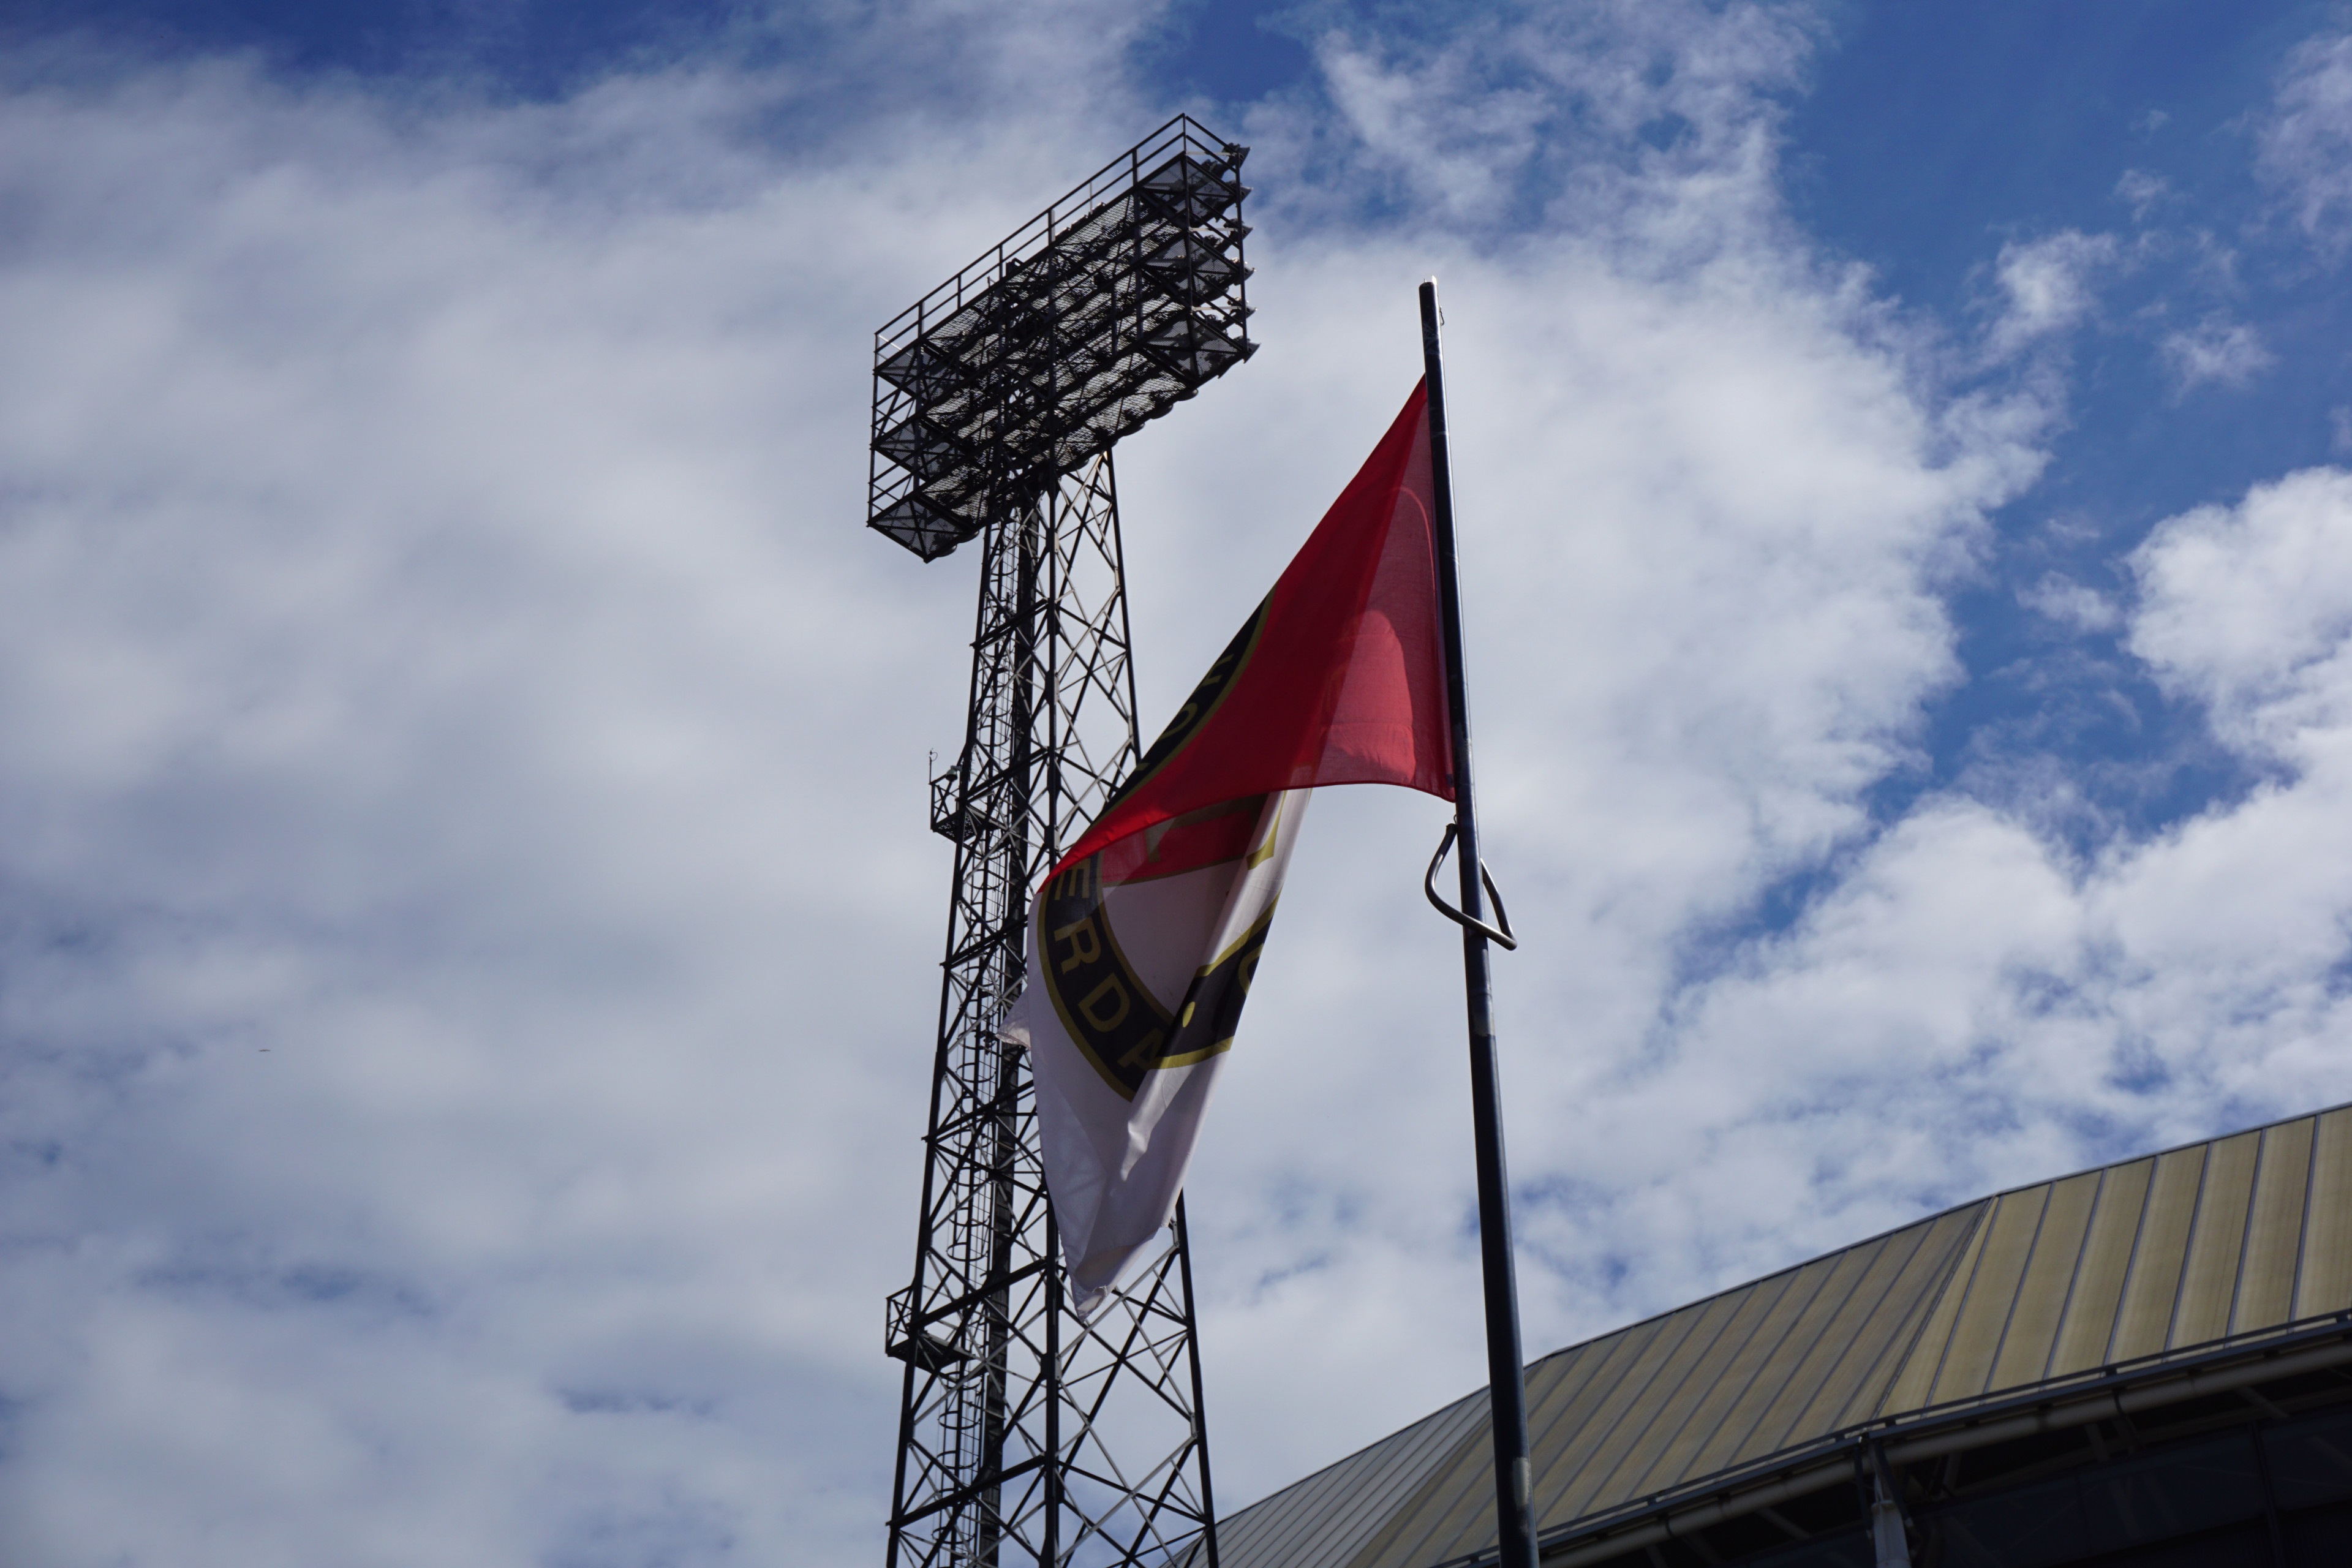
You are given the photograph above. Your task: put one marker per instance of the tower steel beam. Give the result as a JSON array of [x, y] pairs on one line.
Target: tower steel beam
[[1027, 1435]]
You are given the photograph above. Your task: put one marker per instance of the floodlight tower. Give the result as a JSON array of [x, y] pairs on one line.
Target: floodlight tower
[[1025, 1435]]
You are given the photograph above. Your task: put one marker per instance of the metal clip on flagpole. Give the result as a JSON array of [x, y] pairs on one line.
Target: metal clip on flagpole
[[1506, 1387], [1470, 922]]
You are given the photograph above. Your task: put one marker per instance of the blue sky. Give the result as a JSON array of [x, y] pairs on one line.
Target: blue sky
[[467, 926]]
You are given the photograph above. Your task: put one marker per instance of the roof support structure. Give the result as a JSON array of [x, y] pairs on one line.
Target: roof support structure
[[2120, 1395]]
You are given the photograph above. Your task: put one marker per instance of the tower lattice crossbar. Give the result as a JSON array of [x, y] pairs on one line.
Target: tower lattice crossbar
[[1028, 1436]]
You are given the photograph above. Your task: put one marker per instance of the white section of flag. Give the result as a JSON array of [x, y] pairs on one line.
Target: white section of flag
[[1114, 1166]]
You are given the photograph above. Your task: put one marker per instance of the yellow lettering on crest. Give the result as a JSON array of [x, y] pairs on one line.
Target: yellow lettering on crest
[[1086, 942], [1110, 993]]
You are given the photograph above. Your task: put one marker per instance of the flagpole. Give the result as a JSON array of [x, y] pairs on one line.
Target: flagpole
[[1507, 1383]]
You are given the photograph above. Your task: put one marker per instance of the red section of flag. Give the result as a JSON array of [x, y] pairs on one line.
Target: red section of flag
[[1340, 677]]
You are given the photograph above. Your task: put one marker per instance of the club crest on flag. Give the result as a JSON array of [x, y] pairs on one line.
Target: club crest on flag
[[1109, 1013]]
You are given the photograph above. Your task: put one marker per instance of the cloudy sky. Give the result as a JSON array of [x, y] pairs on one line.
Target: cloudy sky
[[1905, 462]]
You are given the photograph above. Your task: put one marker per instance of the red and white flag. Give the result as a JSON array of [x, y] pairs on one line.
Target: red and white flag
[[1144, 936]]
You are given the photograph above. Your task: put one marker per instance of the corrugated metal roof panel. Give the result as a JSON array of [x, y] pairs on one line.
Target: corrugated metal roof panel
[[1453, 1488], [2024, 1355], [2325, 1282], [1916, 1377], [1452, 1515], [2217, 1243], [1593, 1428], [1814, 1377], [1552, 1400], [1855, 1281], [1856, 1389], [1557, 1419], [2274, 1228], [1740, 1388], [2088, 1322], [2152, 1285], [2241, 1236], [1713, 1369], [1321, 1521], [1561, 1429], [1991, 1293]]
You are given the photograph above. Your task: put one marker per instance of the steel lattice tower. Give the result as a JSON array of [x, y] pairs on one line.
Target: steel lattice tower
[[1025, 1435]]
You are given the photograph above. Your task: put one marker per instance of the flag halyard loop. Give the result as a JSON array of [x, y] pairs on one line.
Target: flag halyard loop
[[1469, 922]]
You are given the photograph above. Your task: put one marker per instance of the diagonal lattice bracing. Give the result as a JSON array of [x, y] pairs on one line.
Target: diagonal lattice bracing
[[1027, 1437]]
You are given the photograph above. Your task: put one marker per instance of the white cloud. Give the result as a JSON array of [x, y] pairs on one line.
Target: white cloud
[[1968, 1005], [2305, 147], [2142, 191], [1655, 124], [2245, 609], [455, 986], [2046, 285], [2073, 604], [2217, 351]]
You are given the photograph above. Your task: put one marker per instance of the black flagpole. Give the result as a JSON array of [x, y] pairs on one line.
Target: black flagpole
[[1507, 1385]]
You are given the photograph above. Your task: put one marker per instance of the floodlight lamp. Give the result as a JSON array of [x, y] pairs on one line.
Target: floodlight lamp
[[1102, 312]]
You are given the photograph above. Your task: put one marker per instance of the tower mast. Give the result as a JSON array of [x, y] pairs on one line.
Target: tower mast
[[1025, 1435]]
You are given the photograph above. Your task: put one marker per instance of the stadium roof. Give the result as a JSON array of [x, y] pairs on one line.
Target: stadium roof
[[2173, 1267]]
